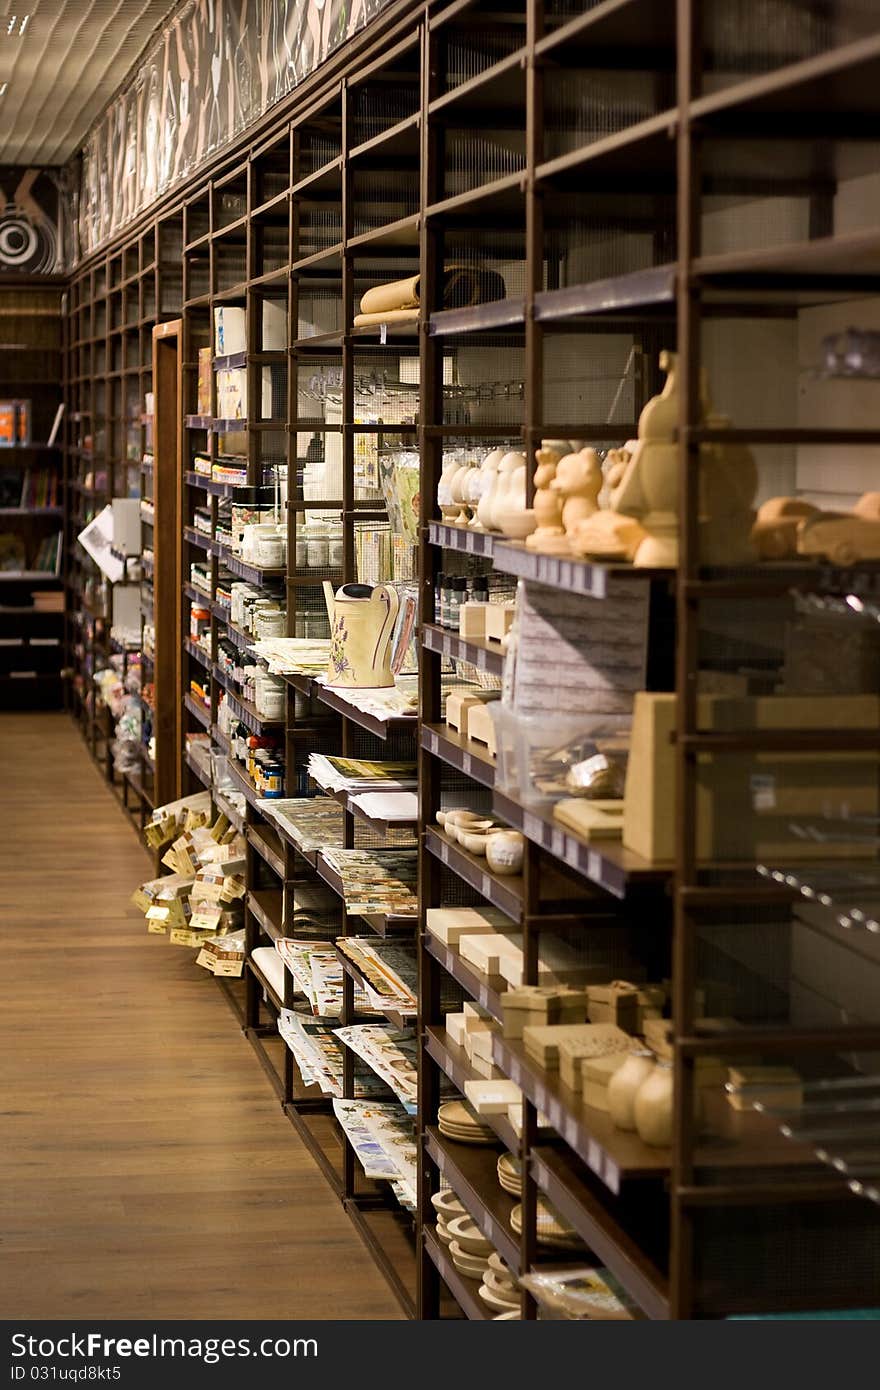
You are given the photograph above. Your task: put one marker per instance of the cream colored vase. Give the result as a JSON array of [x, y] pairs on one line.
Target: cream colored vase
[[361, 628], [623, 1086]]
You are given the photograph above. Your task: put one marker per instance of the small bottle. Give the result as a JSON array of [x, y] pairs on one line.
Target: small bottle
[[446, 600], [479, 591], [439, 586], [459, 596]]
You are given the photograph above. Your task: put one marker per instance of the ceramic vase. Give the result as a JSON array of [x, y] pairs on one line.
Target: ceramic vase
[[623, 1086]]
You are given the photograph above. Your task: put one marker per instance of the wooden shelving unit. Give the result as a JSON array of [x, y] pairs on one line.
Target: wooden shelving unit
[[32, 496], [590, 160]]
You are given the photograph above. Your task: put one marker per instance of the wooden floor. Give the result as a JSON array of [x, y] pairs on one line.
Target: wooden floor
[[147, 1169]]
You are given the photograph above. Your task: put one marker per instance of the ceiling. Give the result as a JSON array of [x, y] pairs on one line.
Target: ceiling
[[64, 67]]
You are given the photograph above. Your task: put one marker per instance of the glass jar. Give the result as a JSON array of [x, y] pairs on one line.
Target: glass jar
[[335, 545], [317, 535]]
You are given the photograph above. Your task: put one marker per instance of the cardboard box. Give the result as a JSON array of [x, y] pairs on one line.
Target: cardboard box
[[542, 1043], [534, 1005], [485, 953], [492, 1097], [450, 924], [617, 1002], [481, 727], [472, 621], [596, 1072], [461, 703], [499, 621], [745, 802]]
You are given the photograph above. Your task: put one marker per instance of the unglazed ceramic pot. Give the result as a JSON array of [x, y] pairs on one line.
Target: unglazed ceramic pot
[[504, 851], [510, 514], [489, 472], [652, 1107], [448, 508], [482, 482], [623, 1086]]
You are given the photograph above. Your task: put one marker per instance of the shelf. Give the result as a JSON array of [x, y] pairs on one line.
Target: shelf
[[614, 1155], [468, 978], [202, 773], [197, 653], [243, 491], [254, 574], [471, 1172], [382, 924], [495, 314], [197, 711], [609, 866], [556, 1175], [380, 727], [198, 422], [30, 511], [463, 1290], [232, 815], [247, 714], [268, 845], [505, 893], [455, 1063], [463, 538], [197, 538], [848, 261], [266, 985], [243, 640], [486, 656], [396, 1017], [198, 595], [267, 906], [459, 752], [390, 1238], [232, 362], [590, 578], [841, 81]]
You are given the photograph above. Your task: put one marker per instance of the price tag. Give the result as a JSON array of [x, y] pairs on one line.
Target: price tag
[[557, 1118], [470, 543], [594, 1157], [466, 763], [571, 1132], [594, 864], [232, 968], [515, 1070], [483, 997], [485, 885], [181, 937], [571, 852], [612, 1176], [532, 827], [383, 334], [444, 852], [557, 842]]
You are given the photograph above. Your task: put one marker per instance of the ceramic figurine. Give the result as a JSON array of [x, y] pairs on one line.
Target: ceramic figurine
[[843, 538], [774, 534], [550, 534], [457, 491], [648, 489], [488, 486], [482, 483], [578, 481], [361, 627], [448, 508], [607, 535], [510, 515]]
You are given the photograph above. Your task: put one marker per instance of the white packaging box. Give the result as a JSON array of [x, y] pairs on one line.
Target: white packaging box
[[230, 330], [450, 924]]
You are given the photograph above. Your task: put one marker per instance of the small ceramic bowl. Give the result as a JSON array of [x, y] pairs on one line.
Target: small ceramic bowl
[[446, 1205], [461, 815], [471, 1241], [474, 838]]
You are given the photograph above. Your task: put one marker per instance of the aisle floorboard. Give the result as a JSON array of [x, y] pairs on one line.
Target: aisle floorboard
[[148, 1171]]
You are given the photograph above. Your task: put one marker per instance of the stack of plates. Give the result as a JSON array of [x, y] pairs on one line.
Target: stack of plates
[[456, 1120], [498, 1289], [510, 1174], [447, 1207], [553, 1229], [512, 1316]]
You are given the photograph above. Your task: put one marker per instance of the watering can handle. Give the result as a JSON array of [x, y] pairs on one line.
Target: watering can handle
[[330, 600], [383, 592]]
